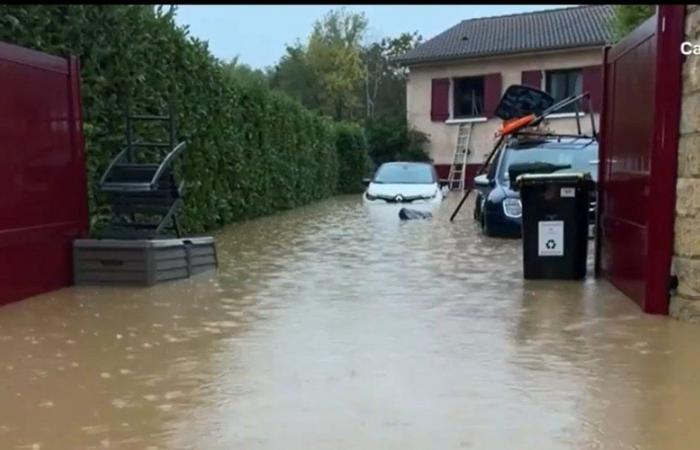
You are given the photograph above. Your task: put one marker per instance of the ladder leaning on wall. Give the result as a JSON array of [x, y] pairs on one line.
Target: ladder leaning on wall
[[456, 178]]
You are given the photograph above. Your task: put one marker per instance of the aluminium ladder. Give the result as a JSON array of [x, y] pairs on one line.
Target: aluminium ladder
[[456, 177]]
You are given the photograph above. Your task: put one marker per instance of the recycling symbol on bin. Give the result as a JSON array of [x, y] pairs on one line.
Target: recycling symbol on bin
[[551, 244]]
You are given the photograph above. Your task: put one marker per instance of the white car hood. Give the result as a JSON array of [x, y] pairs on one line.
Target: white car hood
[[405, 190]]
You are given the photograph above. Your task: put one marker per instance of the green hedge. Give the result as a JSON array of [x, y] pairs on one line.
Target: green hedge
[[353, 157], [391, 139], [251, 151]]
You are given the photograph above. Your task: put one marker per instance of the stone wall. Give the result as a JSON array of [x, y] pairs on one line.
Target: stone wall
[[685, 304]]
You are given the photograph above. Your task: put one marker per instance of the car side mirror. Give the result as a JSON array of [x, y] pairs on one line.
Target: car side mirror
[[482, 181], [366, 181]]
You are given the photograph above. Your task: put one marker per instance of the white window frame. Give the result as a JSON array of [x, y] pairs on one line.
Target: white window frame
[[565, 115], [543, 80], [467, 120]]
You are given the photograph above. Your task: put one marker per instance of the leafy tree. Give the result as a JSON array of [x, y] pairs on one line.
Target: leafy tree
[[628, 17], [335, 73], [244, 73], [295, 76], [385, 81], [334, 55]]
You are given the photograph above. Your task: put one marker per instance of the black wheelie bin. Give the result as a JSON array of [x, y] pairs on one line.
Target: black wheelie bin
[[555, 224]]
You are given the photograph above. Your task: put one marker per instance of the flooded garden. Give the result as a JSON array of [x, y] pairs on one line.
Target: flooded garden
[[334, 327]]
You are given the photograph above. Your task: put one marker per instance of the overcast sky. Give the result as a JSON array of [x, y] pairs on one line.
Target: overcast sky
[[258, 33]]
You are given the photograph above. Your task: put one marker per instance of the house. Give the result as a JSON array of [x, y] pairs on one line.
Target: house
[[459, 75]]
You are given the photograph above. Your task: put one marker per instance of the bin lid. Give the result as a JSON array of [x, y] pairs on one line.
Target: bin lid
[[556, 178]]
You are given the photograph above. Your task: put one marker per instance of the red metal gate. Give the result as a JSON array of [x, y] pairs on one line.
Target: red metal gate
[[639, 131], [43, 202]]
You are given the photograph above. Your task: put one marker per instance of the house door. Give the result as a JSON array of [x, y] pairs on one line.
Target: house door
[[637, 170]]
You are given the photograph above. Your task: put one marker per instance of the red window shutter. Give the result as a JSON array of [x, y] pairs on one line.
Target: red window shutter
[[492, 93], [532, 78], [593, 82], [440, 100]]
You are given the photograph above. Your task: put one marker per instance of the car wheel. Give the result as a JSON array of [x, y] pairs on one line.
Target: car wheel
[[482, 224]]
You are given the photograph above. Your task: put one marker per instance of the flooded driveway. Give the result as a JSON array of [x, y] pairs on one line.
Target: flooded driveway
[[328, 328]]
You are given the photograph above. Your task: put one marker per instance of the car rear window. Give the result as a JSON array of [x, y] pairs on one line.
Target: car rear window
[[581, 159], [405, 174]]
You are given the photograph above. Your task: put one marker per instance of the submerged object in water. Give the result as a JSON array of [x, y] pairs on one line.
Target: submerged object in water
[[410, 214]]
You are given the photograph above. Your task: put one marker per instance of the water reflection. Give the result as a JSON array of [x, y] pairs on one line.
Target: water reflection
[[331, 327]]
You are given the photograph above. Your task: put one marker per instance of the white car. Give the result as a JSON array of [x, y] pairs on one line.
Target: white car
[[412, 185]]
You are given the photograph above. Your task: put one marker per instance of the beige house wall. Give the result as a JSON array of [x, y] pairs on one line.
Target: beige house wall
[[686, 303], [443, 135]]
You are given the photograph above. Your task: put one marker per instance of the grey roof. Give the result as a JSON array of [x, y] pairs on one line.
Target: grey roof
[[580, 26]]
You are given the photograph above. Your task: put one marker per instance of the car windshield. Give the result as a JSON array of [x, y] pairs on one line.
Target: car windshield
[[580, 159], [405, 174]]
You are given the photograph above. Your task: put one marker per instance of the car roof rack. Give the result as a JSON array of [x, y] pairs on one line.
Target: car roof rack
[[532, 114], [523, 137]]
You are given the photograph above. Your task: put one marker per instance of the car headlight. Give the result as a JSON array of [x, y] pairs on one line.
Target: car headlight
[[430, 197], [512, 207], [369, 196]]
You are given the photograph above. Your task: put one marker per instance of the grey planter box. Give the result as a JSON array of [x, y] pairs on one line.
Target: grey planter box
[[141, 262]]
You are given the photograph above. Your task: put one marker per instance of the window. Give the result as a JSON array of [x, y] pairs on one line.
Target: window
[[405, 173], [564, 83], [468, 97], [491, 173]]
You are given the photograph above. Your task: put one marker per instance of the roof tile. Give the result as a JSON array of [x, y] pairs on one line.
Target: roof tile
[[542, 30]]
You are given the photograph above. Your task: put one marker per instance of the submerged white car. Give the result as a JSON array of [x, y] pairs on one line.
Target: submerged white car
[[406, 184]]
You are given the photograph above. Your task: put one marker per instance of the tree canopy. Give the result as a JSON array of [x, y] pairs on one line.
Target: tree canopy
[[343, 74], [628, 17]]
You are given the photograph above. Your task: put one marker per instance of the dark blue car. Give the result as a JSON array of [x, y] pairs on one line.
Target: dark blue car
[[498, 207]]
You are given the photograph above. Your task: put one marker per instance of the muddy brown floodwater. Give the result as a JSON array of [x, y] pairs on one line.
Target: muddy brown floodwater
[[330, 328]]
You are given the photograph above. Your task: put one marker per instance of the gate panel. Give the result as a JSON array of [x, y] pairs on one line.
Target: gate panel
[[43, 201], [639, 139]]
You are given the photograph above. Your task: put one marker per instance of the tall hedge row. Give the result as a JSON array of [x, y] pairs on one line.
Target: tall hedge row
[[355, 164], [251, 151]]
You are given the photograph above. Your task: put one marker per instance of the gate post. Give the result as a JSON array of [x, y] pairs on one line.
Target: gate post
[[664, 156]]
